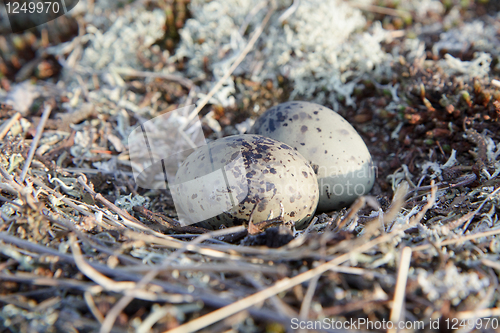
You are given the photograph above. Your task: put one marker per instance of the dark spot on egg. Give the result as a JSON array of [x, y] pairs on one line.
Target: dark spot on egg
[[272, 128], [280, 116], [315, 167], [262, 205]]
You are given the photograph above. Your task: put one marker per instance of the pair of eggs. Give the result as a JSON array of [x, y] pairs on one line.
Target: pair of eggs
[[300, 158]]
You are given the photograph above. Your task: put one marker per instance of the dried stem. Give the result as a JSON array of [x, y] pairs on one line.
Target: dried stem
[[7, 125], [34, 144], [399, 295], [236, 63]]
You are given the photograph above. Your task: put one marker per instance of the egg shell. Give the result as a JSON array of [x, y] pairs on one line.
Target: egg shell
[[222, 182], [334, 149]]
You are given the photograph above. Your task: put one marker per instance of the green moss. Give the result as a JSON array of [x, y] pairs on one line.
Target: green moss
[[429, 142]]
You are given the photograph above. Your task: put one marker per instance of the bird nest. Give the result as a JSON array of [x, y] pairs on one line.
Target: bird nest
[[84, 248]]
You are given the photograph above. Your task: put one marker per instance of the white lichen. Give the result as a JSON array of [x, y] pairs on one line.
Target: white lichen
[[321, 47], [450, 284], [127, 202], [478, 67], [132, 32], [484, 37], [438, 168]]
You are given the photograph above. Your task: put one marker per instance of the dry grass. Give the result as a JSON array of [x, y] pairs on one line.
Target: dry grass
[[73, 260]]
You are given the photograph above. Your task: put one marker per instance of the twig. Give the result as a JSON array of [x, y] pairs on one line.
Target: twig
[[236, 63], [494, 312], [6, 127], [92, 307], [250, 16], [46, 281], [173, 243], [373, 225], [399, 293], [367, 302], [469, 216], [169, 77], [4, 199], [128, 219], [116, 224], [353, 210], [153, 317], [462, 181], [230, 251], [168, 223], [236, 267], [277, 303], [278, 287], [459, 240], [96, 171], [418, 217], [220, 251], [93, 274], [114, 312], [491, 264], [306, 302], [289, 12], [491, 195], [39, 130], [172, 290], [21, 190], [298, 241], [380, 10], [68, 225]]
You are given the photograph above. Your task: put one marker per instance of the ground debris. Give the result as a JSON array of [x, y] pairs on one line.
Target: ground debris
[[417, 79]]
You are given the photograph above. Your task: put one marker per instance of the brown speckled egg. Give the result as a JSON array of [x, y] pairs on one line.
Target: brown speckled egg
[[338, 155], [224, 181]]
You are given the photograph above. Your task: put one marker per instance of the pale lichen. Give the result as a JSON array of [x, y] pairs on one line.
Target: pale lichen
[[321, 47]]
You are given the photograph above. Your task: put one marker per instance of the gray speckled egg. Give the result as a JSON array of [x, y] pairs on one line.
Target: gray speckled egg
[[224, 181], [334, 149]]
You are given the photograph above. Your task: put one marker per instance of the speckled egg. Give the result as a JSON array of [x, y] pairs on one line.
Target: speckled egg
[[224, 181], [336, 152]]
